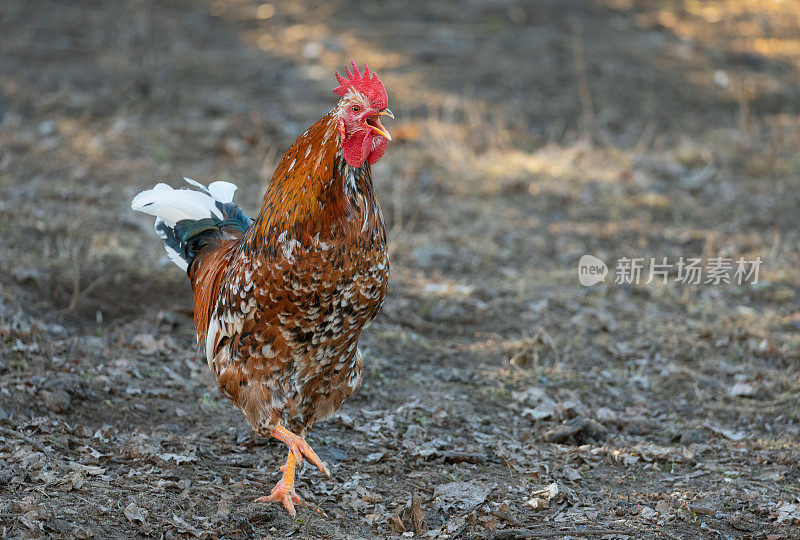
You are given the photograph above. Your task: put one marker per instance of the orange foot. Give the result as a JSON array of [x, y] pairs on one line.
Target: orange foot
[[284, 492]]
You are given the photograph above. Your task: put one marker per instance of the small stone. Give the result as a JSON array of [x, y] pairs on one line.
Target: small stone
[[57, 401], [647, 512], [663, 507], [692, 436], [741, 389], [576, 431], [606, 416], [636, 426], [374, 457], [573, 475]]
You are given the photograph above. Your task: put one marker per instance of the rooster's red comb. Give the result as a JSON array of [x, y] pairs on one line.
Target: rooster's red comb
[[368, 84]]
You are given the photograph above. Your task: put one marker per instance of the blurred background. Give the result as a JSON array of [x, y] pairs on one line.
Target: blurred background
[[527, 134]]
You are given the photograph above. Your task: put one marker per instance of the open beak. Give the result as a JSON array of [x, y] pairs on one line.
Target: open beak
[[375, 123]]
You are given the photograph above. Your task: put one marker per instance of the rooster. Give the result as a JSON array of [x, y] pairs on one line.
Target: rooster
[[280, 301]]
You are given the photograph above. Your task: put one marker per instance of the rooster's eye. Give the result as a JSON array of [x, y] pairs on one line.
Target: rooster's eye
[[356, 108]]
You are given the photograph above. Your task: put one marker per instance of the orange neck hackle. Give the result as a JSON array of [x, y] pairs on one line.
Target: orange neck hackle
[[311, 190]]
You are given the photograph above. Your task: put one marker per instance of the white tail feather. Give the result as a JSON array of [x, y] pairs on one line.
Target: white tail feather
[[222, 191], [170, 206], [174, 205]]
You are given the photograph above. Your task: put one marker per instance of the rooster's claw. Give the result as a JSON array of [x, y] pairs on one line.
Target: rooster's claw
[[285, 495]]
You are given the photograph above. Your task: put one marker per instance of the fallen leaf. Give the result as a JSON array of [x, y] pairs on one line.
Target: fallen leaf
[[727, 433], [135, 515], [76, 479], [91, 470], [786, 511], [462, 495], [418, 516], [223, 509], [177, 458], [542, 497], [397, 523], [455, 524]]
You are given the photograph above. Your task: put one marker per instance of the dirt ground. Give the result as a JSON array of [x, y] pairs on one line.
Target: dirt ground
[[501, 399]]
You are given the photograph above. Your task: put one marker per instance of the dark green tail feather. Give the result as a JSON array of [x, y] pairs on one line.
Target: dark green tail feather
[[189, 236]]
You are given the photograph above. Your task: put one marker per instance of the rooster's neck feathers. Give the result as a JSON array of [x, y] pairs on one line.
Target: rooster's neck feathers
[[315, 193]]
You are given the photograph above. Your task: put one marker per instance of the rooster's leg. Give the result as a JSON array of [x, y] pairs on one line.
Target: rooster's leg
[[298, 448]]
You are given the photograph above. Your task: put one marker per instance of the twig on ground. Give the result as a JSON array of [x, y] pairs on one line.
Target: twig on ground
[[702, 510], [506, 518], [317, 509], [560, 509]]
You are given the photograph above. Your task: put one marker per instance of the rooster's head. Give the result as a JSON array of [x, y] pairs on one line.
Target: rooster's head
[[359, 112]]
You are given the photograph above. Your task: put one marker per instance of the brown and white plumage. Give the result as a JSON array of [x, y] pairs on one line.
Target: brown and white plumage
[[280, 302], [282, 338]]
